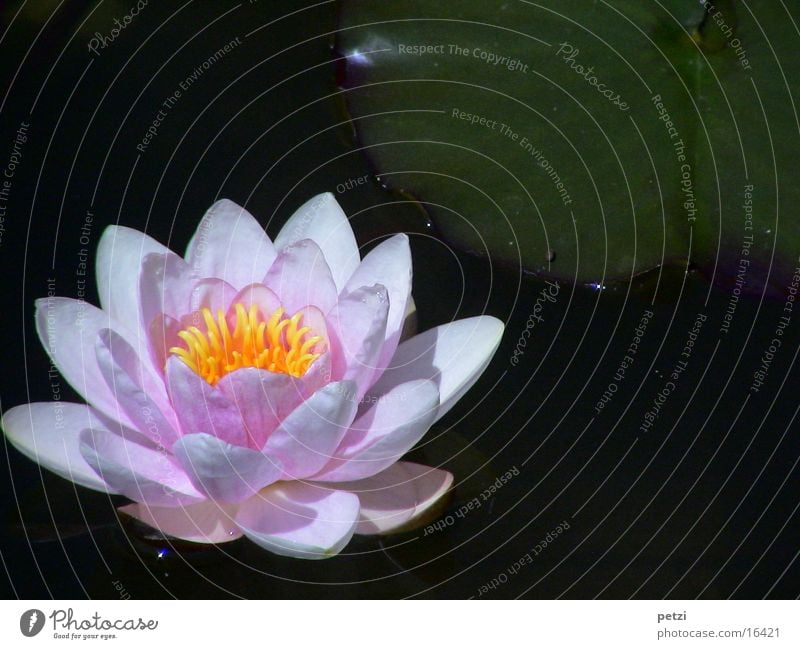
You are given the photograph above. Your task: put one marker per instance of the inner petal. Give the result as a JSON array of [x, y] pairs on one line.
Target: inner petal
[[278, 343]]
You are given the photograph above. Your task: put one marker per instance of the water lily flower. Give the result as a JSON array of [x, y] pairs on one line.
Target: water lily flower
[[253, 387]]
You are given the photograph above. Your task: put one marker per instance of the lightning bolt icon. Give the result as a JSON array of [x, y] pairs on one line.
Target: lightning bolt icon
[[32, 620]]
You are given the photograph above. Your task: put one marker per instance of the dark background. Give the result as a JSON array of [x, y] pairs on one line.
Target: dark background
[[704, 504]]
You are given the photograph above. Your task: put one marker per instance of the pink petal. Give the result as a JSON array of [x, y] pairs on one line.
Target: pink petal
[[163, 332], [300, 520], [300, 276], [319, 372], [231, 245], [141, 396], [452, 355], [388, 264], [306, 439], [48, 433], [358, 330], [165, 286], [385, 432], [222, 471], [323, 221], [213, 294], [202, 408], [203, 522], [263, 398], [120, 254], [140, 473], [68, 330], [258, 294], [318, 375], [397, 496]]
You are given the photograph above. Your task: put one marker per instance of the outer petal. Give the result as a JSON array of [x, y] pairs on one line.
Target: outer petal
[[140, 473], [307, 438], [388, 264], [263, 398], [230, 244], [323, 221], [120, 254], [452, 355], [358, 329], [205, 522], [385, 432], [300, 520], [48, 433], [222, 471], [165, 286], [200, 407], [139, 394], [397, 496], [300, 276], [68, 330]]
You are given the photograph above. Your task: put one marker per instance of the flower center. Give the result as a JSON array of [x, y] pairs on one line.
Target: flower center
[[277, 344]]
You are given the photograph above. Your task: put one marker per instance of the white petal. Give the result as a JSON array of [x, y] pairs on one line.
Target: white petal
[[120, 254], [307, 438], [141, 396], [385, 432], [300, 277], [223, 471], [68, 330], [358, 332], [49, 434], [230, 244], [142, 474], [300, 520], [204, 522], [323, 221], [388, 264], [397, 496], [452, 355]]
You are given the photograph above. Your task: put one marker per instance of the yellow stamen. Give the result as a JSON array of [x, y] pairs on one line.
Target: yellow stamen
[[277, 344]]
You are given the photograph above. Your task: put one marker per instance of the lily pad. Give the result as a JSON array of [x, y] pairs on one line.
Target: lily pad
[[583, 140]]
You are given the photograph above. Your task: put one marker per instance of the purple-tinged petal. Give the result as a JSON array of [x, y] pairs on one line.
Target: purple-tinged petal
[[318, 375], [388, 264], [165, 286], [230, 244], [263, 398], [140, 395], [358, 330], [384, 433], [210, 293], [323, 221], [49, 434], [300, 520], [142, 474], [204, 522], [300, 276], [306, 439], [222, 471], [258, 294], [397, 496], [120, 254], [202, 408], [319, 372], [163, 332], [452, 355], [68, 330]]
